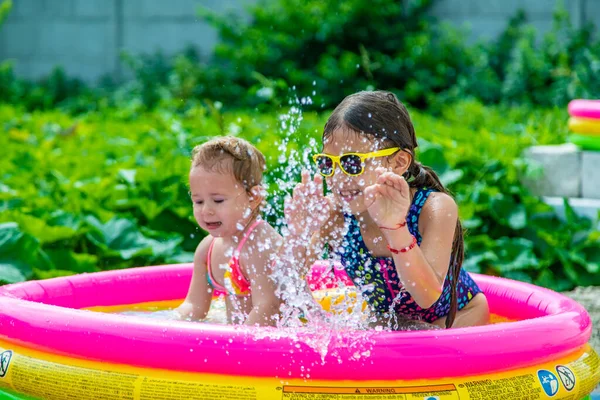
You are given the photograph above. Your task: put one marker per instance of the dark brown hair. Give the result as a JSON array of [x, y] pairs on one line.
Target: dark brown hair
[[247, 162], [381, 115]]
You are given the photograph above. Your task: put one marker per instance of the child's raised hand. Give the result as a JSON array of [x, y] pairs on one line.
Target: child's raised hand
[[308, 208], [388, 200]]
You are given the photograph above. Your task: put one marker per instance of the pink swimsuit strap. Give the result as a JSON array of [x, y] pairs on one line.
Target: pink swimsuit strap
[[237, 275]]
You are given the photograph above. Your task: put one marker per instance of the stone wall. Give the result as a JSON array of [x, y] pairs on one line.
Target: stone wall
[[87, 36]]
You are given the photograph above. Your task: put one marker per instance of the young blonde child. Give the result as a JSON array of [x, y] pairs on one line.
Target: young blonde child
[[237, 255], [388, 218]]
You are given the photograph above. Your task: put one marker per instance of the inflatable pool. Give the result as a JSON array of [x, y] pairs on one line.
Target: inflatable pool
[[53, 346]]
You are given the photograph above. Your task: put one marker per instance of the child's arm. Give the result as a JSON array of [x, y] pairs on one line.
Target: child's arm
[[427, 265], [257, 261], [422, 269], [199, 297], [310, 218]]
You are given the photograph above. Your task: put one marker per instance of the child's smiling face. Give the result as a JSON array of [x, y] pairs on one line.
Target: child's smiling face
[[221, 204], [348, 190]]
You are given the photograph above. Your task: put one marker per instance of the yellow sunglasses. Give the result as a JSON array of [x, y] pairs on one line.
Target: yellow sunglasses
[[352, 164]]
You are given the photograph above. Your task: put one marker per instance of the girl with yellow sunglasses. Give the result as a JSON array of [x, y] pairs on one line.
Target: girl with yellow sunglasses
[[388, 219]]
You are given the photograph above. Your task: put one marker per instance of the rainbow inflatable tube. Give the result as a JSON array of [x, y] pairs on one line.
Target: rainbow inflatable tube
[[585, 108], [53, 346], [584, 126], [585, 142]]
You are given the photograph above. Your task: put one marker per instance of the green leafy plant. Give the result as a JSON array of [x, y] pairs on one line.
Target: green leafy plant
[[108, 189]]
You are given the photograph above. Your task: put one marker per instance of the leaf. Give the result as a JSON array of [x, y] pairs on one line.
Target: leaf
[[592, 267], [473, 263], [18, 250], [10, 273], [514, 215], [53, 273], [471, 223], [65, 219], [7, 190], [121, 237], [432, 155], [39, 228], [451, 176], [517, 218], [519, 276], [128, 175], [183, 257], [546, 279], [516, 254], [567, 265], [67, 260], [570, 215]]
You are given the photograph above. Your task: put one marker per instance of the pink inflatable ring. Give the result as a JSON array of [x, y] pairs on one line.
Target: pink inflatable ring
[[585, 109], [53, 347]]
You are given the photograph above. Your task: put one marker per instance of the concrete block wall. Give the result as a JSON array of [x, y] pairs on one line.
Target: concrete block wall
[[556, 170], [77, 34], [86, 36], [486, 19], [564, 171], [590, 175]]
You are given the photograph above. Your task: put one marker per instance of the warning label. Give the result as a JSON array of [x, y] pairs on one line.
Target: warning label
[[184, 390], [48, 380], [567, 377], [586, 368], [523, 387], [549, 382], [440, 392], [5, 358], [53, 380]]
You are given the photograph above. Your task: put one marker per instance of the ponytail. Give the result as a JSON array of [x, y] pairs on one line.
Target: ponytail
[[422, 176]]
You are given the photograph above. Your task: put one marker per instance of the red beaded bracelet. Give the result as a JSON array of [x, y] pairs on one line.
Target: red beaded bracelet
[[400, 225], [404, 249]]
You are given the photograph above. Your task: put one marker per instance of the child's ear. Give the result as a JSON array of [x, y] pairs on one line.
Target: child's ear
[[400, 162], [257, 195]]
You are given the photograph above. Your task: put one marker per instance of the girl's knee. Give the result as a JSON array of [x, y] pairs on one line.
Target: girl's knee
[[476, 313]]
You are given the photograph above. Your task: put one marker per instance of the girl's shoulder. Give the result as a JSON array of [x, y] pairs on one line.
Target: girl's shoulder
[[201, 253], [438, 207], [265, 231], [264, 239]]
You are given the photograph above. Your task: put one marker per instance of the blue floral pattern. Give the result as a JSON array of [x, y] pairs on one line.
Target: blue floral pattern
[[378, 279]]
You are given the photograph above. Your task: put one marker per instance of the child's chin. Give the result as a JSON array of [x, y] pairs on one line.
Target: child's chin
[[216, 232]]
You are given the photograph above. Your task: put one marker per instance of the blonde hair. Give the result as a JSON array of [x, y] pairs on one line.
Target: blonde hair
[[247, 162]]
